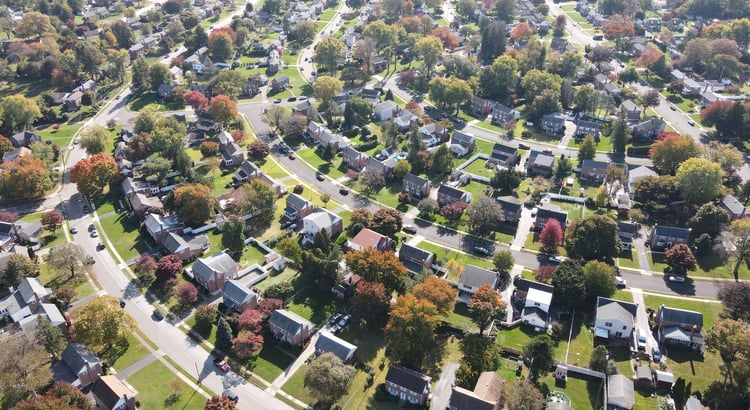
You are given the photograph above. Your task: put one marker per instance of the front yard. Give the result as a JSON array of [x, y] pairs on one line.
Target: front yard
[[156, 384]]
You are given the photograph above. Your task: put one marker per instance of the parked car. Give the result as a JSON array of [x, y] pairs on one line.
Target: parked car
[[482, 251], [291, 99], [344, 320], [292, 155], [656, 354], [277, 101], [74, 230], [673, 108], [344, 191], [158, 315], [335, 318], [231, 395], [676, 278], [410, 229], [691, 123], [122, 303], [621, 283], [100, 246], [222, 365], [556, 259], [523, 146], [319, 176], [94, 234], [641, 341]]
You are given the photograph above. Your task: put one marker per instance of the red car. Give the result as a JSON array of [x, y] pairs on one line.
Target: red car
[[222, 365]]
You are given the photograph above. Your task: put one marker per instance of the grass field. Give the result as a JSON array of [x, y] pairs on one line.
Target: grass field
[[155, 385], [310, 155], [123, 231], [270, 362], [136, 351]]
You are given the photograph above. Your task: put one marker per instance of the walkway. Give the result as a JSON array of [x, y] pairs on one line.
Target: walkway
[[133, 368], [277, 384], [441, 393]]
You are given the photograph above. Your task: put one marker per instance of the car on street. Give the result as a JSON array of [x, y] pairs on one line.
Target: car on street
[[523, 146], [656, 354], [291, 99], [231, 395], [74, 230], [335, 318], [556, 259], [344, 191], [319, 176], [409, 229], [482, 251], [90, 260], [99, 246], [292, 155], [277, 101], [621, 283], [673, 108], [676, 278], [158, 315], [94, 234], [86, 209], [122, 303], [222, 365], [691, 123]]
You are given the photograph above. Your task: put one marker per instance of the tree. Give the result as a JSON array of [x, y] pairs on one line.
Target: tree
[[168, 268], [599, 359], [726, 155], [401, 168], [196, 100], [506, 179], [61, 395], [551, 236], [738, 240], [221, 45], [620, 134], [233, 235], [64, 295], [328, 378], [544, 273], [451, 93], [92, 174], [500, 79], [140, 74], [50, 337], [570, 284], [223, 109], [246, 343], [24, 368], [103, 325], [503, 261], [187, 294], [594, 237], [34, 24], [539, 351], [681, 392], [437, 291], [429, 48], [325, 88], [374, 265], [251, 320], [699, 180], [536, 81], [209, 149], [158, 74], [258, 150], [485, 307], [710, 218], [293, 126], [357, 111], [290, 249], [615, 178], [205, 317], [386, 221], [680, 259], [483, 214], [453, 211], [411, 328], [587, 150], [259, 199], [731, 339], [51, 220], [145, 267], [303, 32], [26, 177], [193, 203], [371, 303], [480, 354], [222, 402], [223, 336], [442, 161], [669, 152], [16, 269], [66, 258], [563, 168], [600, 279], [94, 139], [618, 28], [327, 51], [454, 267], [522, 395]]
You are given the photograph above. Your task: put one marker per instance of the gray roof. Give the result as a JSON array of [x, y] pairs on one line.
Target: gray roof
[[30, 288], [77, 355], [350, 153], [328, 342], [607, 308], [671, 231], [681, 316], [419, 181], [485, 396], [246, 169], [173, 243], [588, 124], [524, 285], [463, 138], [559, 214], [456, 193], [620, 389], [219, 262], [625, 227], [289, 321], [412, 257], [544, 160], [733, 205], [505, 149], [408, 379], [475, 276], [629, 105], [509, 203], [590, 163], [235, 291], [297, 202], [555, 118]]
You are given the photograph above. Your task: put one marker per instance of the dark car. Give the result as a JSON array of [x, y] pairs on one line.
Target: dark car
[[482, 251], [100, 246], [335, 318], [158, 315], [122, 303], [277, 101], [290, 99], [320, 177], [231, 395], [344, 191], [524, 146], [410, 229]]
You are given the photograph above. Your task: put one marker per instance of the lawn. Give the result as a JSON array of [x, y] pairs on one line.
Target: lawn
[[144, 100], [295, 386], [583, 391], [313, 304], [446, 254], [123, 231], [459, 318], [604, 144], [623, 295], [327, 15], [710, 311], [332, 169], [478, 167], [53, 280], [273, 170], [517, 337], [387, 195], [153, 384], [250, 255], [136, 351], [628, 259], [270, 362], [533, 243], [61, 136]]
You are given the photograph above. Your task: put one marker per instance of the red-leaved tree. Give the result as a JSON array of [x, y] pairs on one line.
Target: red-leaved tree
[[52, 220], [168, 268], [197, 100], [453, 211], [371, 302], [544, 273], [187, 294], [246, 343], [551, 236], [251, 320], [269, 305], [145, 266]]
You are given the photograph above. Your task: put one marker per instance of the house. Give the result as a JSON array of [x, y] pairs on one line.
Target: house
[[302, 108], [297, 207], [637, 174], [664, 237], [503, 155], [447, 195], [353, 159], [733, 206], [465, 140], [408, 385], [405, 120], [547, 212], [330, 343], [553, 123], [533, 300], [540, 163], [648, 129], [238, 297], [15, 154], [25, 139], [143, 205], [600, 80], [386, 110], [415, 260], [626, 232], [346, 285], [691, 87], [511, 207], [213, 271], [247, 172], [321, 219], [165, 91], [620, 392], [631, 111], [435, 132], [652, 24], [379, 64], [7, 236], [416, 186], [367, 238], [112, 394], [274, 61], [585, 128], [160, 226], [486, 394], [290, 327], [137, 50], [72, 101], [328, 137], [614, 319], [384, 167], [481, 106], [502, 114], [25, 300], [612, 90], [280, 83], [370, 95], [472, 278], [679, 326], [77, 366], [592, 170], [559, 44], [186, 250], [132, 186], [230, 151]]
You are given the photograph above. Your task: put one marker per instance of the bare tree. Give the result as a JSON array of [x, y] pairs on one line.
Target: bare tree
[[66, 258]]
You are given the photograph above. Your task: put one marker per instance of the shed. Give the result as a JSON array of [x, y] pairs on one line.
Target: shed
[[664, 379], [561, 372]]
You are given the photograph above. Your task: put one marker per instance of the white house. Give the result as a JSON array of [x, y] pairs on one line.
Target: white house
[[318, 220], [386, 110], [614, 318], [537, 302]]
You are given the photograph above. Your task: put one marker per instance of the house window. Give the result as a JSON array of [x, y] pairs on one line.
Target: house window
[[624, 328], [608, 324], [537, 304], [618, 334]]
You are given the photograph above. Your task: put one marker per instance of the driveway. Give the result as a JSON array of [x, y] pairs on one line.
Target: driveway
[[441, 394]]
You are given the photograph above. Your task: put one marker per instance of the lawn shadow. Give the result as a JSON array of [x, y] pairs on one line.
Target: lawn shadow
[[683, 355], [368, 341], [594, 386]]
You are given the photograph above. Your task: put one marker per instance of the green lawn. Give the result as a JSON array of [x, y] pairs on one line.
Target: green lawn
[[61, 136], [478, 167], [628, 259], [604, 144], [333, 169], [445, 254], [711, 265], [295, 386], [313, 304], [123, 231], [460, 318], [154, 386], [516, 337], [273, 169], [250, 255], [710, 311], [136, 351], [270, 362], [623, 295], [54, 280], [327, 15], [585, 393]]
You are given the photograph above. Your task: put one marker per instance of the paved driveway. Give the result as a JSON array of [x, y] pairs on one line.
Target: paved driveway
[[441, 394]]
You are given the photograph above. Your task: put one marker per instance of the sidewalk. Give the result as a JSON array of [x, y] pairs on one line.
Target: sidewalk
[[275, 387]]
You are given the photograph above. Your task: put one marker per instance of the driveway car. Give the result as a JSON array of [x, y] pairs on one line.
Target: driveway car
[[656, 354], [556, 259], [94, 234], [335, 318], [231, 395], [277, 101], [344, 321], [641, 341]]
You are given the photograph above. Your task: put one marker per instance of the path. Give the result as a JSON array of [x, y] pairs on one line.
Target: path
[[639, 243], [275, 387], [508, 291], [441, 393], [135, 367], [642, 326], [522, 230]]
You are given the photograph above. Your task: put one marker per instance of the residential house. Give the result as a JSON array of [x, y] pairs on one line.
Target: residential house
[[547, 212], [405, 120], [614, 319], [274, 62], [637, 174], [540, 163], [733, 206], [665, 237], [408, 385], [186, 250], [211, 272], [230, 151], [112, 394], [679, 326], [416, 186], [353, 159], [691, 87], [77, 366], [600, 80], [472, 278], [370, 95], [131, 186], [302, 108], [238, 297], [290, 327], [386, 110], [160, 226], [553, 123], [511, 207], [503, 114], [433, 133], [414, 259], [534, 299], [72, 101], [137, 50], [347, 285], [652, 24], [297, 207], [465, 140], [447, 195], [25, 138], [482, 106], [631, 110], [321, 219], [620, 392], [559, 44], [586, 128], [626, 231], [143, 205], [379, 64], [330, 343], [15, 154], [165, 91], [280, 83], [247, 172], [27, 300], [592, 170], [367, 238], [385, 167], [503, 156], [485, 396], [7, 236]]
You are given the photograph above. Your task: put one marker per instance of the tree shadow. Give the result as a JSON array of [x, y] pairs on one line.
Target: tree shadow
[[594, 387]]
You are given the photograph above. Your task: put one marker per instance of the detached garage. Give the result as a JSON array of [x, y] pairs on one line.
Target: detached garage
[[620, 392]]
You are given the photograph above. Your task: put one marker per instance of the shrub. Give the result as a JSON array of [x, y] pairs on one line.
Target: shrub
[[298, 189]]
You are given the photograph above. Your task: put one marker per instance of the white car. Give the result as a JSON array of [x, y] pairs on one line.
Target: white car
[[621, 283], [556, 259], [674, 278]]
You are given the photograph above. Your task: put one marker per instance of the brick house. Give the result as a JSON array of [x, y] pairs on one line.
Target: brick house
[[540, 163], [511, 207], [112, 394], [279, 83], [367, 238], [414, 259], [678, 326], [408, 385], [482, 106], [77, 366], [664, 237], [297, 207], [239, 297], [485, 396], [290, 327], [447, 195], [592, 170], [585, 128], [330, 343], [213, 271], [353, 158], [503, 155], [465, 140], [416, 186], [553, 123], [631, 110], [548, 212]]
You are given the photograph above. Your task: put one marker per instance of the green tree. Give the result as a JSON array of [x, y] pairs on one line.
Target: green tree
[[594, 237], [587, 150], [16, 269], [450, 93], [24, 368], [103, 325], [94, 139], [233, 235], [429, 48], [223, 336], [140, 71], [17, 112], [193, 203], [536, 81], [739, 240], [600, 279], [290, 249], [327, 51], [480, 354], [442, 161], [401, 168], [66, 258], [503, 261], [522, 395], [710, 218], [539, 351], [33, 24], [506, 179], [570, 284], [328, 378], [599, 359], [303, 32], [51, 337], [256, 198], [668, 153], [736, 299], [357, 112], [325, 88], [620, 134], [158, 74], [221, 45], [483, 214], [700, 181], [563, 168], [731, 339], [485, 307]]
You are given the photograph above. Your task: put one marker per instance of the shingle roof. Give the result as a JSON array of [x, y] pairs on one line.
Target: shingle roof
[[607, 308], [448, 190], [235, 291], [462, 138], [620, 388], [524, 285], [413, 253], [289, 321], [328, 342], [296, 201], [219, 262], [505, 149], [407, 378], [367, 238], [485, 396], [173, 243], [110, 390], [681, 316], [411, 178], [77, 355], [509, 203], [30, 288], [733, 205], [625, 227], [671, 231], [475, 276], [590, 163]]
